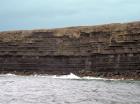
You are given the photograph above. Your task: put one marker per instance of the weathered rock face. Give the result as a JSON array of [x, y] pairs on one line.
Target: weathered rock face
[[107, 51]]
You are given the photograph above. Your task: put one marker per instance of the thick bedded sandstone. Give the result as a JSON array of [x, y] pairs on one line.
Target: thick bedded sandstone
[[111, 50]]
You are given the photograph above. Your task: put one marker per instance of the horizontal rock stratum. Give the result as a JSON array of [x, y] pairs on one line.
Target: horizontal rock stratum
[[111, 50]]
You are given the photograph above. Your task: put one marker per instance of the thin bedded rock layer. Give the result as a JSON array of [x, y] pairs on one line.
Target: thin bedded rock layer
[[111, 50]]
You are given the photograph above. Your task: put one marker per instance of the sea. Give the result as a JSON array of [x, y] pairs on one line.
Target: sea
[[67, 89]]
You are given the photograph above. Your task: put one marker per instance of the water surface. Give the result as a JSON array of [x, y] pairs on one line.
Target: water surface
[[67, 90]]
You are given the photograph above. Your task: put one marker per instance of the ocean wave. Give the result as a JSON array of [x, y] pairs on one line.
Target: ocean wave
[[8, 74], [71, 76]]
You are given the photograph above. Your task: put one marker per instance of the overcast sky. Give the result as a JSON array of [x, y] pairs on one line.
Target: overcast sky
[[36, 14]]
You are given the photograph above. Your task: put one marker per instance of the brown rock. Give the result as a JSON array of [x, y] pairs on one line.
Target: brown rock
[[106, 50]]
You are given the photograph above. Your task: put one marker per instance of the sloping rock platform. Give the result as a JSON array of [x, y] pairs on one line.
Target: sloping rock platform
[[111, 50]]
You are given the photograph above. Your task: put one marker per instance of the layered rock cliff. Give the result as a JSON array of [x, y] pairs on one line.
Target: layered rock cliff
[[111, 50]]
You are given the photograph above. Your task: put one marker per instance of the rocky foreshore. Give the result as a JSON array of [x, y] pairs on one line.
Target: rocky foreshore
[[111, 50]]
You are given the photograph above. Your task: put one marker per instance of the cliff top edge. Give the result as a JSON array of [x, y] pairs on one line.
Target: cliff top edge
[[103, 27]]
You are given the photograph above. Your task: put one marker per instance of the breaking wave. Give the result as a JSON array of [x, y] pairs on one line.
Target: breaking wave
[[71, 76]]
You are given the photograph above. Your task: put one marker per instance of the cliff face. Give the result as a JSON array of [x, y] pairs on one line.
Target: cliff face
[[107, 51]]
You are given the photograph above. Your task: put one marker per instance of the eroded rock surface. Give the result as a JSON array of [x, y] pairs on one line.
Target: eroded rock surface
[[111, 50]]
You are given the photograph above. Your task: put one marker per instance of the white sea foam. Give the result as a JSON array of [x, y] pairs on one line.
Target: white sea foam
[[9, 74], [98, 78], [70, 76], [73, 76]]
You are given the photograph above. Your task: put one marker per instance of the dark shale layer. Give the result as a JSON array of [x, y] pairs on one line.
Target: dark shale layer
[[111, 50]]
